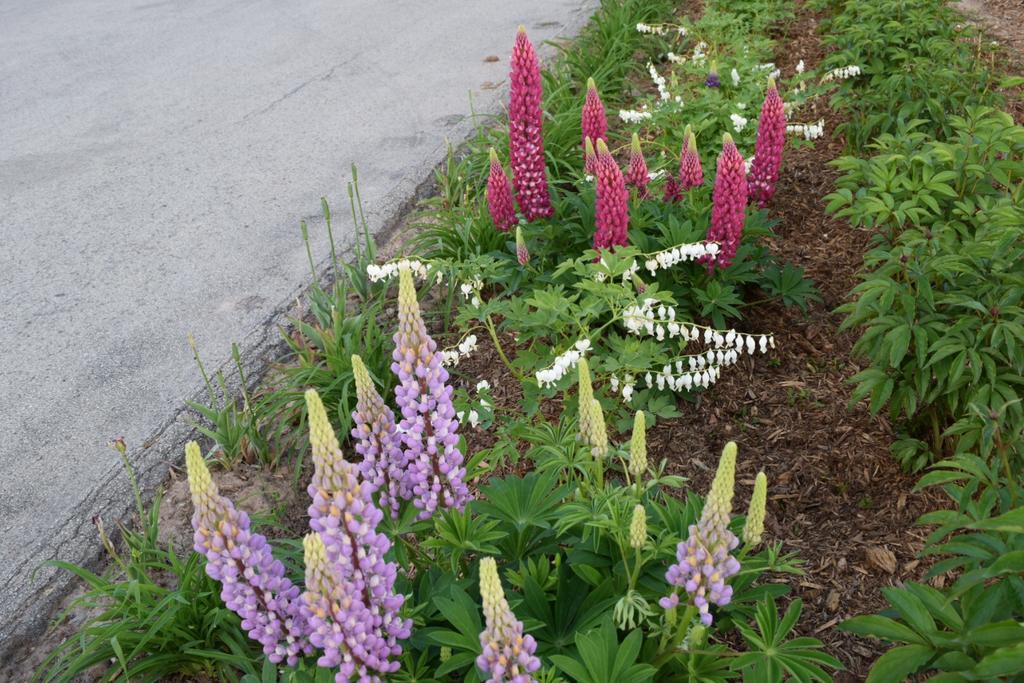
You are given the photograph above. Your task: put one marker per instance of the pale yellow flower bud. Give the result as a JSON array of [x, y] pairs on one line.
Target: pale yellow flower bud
[[638, 446], [361, 376], [586, 395], [446, 654], [719, 501], [638, 528], [754, 527], [327, 458], [598, 433], [200, 483]]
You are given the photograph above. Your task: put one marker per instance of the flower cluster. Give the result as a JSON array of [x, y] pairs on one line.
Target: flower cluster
[[735, 77], [637, 175], [592, 430], [841, 74], [428, 426], [703, 560], [771, 138], [508, 654], [634, 116], [611, 211], [386, 271], [499, 196], [564, 362], [754, 526], [738, 122], [713, 81], [522, 253], [656, 30], [350, 603], [376, 439], [638, 528], [809, 131], [253, 584], [638, 446], [659, 82], [594, 124], [681, 253], [526, 143], [691, 174], [655, 319], [729, 203], [589, 157], [451, 357]]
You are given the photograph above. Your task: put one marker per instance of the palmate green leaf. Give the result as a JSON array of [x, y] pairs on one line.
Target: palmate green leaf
[[771, 654], [602, 659]]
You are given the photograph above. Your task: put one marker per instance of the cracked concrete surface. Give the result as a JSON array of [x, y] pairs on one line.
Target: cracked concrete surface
[[155, 161]]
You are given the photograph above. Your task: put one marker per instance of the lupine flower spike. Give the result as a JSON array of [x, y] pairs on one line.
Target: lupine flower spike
[[508, 654], [638, 528], [585, 394], [596, 435], [771, 138], [713, 81], [595, 123], [729, 203], [754, 527], [522, 253], [638, 447], [637, 175], [350, 604], [589, 157], [253, 584], [691, 174], [612, 202], [526, 144], [428, 426], [499, 196], [703, 560], [673, 192], [377, 440]]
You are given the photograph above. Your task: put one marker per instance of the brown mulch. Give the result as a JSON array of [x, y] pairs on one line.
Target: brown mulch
[[1002, 22]]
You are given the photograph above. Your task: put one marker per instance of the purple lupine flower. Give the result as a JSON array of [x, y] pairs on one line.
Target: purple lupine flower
[[673, 192], [771, 138], [499, 196], [703, 560], [589, 157], [526, 142], [253, 584], [611, 211], [377, 440], [713, 81], [508, 655], [429, 426], [350, 603], [594, 124], [522, 253], [691, 174], [636, 175], [729, 203]]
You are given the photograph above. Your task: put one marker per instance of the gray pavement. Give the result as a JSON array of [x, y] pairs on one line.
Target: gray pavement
[[155, 161]]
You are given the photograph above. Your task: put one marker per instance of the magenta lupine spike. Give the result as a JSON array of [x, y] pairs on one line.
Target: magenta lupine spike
[[637, 175], [595, 123], [525, 138], [589, 157], [522, 253], [673, 191], [499, 196], [253, 584], [691, 174], [611, 211], [508, 655], [729, 203], [703, 560], [435, 475], [376, 439], [771, 138], [350, 603]]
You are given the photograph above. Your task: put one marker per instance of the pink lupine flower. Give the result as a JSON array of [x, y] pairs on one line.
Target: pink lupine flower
[[595, 123], [522, 253], [499, 196], [612, 202], [589, 156], [637, 175], [526, 143], [729, 203], [673, 192], [691, 174], [771, 138]]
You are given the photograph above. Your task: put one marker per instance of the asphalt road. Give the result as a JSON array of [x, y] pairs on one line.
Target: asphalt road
[[155, 161]]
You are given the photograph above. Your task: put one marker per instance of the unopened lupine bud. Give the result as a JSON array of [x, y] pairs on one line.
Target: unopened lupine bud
[[508, 654], [445, 654], [429, 427], [691, 174], [526, 142], [771, 139], [638, 528], [611, 211], [499, 196], [377, 440], [638, 446], [638, 283], [637, 175], [729, 203], [589, 157], [594, 124], [522, 253], [718, 505], [673, 191], [253, 583], [597, 433], [754, 527], [585, 395]]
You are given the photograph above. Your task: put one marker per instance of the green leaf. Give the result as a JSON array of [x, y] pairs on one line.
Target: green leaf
[[898, 663], [881, 627]]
